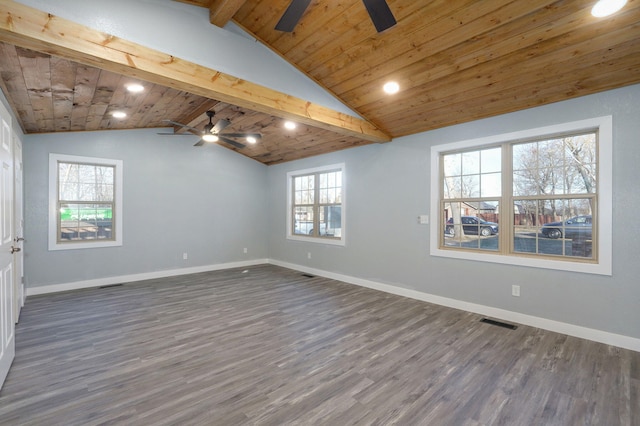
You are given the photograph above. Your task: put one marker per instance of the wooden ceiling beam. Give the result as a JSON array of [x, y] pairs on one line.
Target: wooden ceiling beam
[[221, 11], [37, 30]]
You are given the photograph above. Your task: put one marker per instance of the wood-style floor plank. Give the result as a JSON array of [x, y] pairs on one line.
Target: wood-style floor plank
[[268, 346]]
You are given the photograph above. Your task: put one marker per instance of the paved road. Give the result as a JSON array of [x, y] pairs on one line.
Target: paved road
[[526, 243]]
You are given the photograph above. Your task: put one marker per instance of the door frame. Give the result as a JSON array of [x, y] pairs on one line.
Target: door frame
[[18, 227]]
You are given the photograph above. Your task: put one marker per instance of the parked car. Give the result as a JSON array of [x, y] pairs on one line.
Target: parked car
[[574, 228], [306, 227], [473, 225]]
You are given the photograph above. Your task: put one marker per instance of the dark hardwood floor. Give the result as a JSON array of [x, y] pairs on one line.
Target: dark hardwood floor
[[268, 346]]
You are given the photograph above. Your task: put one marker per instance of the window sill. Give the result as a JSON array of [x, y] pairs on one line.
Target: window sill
[[602, 268], [317, 240]]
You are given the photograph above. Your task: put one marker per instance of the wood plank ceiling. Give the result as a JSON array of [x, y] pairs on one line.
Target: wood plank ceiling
[[50, 94], [455, 62]]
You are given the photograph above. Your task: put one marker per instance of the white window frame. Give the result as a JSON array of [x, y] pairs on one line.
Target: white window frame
[[312, 239], [604, 127], [54, 244]]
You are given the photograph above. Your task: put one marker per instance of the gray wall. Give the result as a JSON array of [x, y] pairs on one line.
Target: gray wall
[[387, 187], [209, 202]]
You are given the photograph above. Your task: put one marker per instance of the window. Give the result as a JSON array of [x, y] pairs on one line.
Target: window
[[85, 202], [540, 197], [316, 205]]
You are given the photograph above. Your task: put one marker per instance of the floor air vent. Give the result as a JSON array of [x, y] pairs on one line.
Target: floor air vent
[[499, 323], [110, 285], [308, 275]]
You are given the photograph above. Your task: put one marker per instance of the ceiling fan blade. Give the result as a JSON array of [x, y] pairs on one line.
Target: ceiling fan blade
[[199, 143], [220, 126], [292, 15], [231, 142], [380, 14], [243, 135], [175, 123]]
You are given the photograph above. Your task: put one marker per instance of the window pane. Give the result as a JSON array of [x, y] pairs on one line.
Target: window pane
[[86, 221], [104, 175], [558, 166], [68, 191], [452, 164], [453, 187], [303, 220], [324, 195], [491, 185], [338, 195], [330, 221], [68, 173], [472, 225], [554, 227], [69, 212], [86, 192], [331, 180], [304, 197], [104, 192], [471, 163], [554, 182], [87, 173], [303, 189], [491, 160], [304, 182], [521, 186], [330, 191], [85, 182], [470, 186], [323, 180]]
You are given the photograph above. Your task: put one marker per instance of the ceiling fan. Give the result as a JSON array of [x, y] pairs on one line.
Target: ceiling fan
[[212, 132], [378, 11]]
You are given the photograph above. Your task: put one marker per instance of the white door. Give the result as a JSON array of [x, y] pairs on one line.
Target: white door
[[18, 225], [7, 319]]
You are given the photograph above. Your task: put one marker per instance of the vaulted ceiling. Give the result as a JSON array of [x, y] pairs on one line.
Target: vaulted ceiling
[[455, 61]]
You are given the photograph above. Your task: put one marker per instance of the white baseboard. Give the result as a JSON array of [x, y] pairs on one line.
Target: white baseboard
[[600, 336], [54, 288]]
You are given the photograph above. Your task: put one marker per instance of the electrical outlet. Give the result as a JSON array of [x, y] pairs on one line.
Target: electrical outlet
[[245, 250], [309, 255], [185, 256], [515, 290]]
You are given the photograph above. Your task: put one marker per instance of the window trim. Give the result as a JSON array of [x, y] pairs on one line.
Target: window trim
[[312, 239], [54, 244], [604, 126]]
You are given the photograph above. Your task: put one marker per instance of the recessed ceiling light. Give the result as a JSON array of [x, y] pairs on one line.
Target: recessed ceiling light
[[135, 88], [607, 7], [210, 138], [119, 114], [391, 87], [289, 125], [251, 139]]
